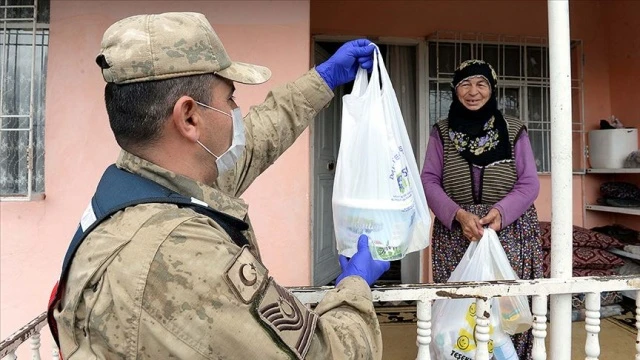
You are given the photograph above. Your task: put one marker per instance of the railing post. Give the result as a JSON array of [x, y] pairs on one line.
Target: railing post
[[34, 344], [423, 312], [483, 321], [55, 352], [539, 309], [592, 325], [561, 172]]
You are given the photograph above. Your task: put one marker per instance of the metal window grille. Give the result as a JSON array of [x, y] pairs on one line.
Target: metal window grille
[[522, 65], [24, 38]]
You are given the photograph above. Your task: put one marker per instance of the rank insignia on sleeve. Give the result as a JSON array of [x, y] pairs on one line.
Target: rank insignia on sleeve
[[293, 322], [245, 275]]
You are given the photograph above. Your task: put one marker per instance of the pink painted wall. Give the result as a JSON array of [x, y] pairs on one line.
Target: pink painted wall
[[33, 236], [622, 31], [526, 17], [623, 18], [79, 143]]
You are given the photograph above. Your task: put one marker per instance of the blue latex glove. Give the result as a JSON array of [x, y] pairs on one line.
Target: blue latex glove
[[341, 68], [362, 264]]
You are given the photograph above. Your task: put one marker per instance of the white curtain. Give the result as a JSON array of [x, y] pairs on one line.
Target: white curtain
[[402, 67], [401, 64]]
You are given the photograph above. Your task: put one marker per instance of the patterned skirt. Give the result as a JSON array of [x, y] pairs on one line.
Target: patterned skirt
[[520, 240]]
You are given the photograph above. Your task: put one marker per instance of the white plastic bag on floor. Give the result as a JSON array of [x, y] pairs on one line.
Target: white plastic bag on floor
[[377, 188], [454, 320]]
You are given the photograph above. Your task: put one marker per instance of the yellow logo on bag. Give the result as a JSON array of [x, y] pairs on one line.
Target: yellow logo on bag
[[471, 315], [466, 340]]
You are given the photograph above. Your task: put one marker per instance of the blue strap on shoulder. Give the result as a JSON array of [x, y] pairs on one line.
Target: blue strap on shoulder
[[119, 189]]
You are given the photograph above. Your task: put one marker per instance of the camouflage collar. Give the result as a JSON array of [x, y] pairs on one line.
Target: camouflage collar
[[215, 198]]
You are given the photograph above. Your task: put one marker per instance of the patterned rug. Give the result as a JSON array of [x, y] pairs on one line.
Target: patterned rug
[[396, 314], [626, 321]]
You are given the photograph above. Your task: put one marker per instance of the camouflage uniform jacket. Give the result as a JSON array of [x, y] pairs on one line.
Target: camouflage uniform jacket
[[157, 282]]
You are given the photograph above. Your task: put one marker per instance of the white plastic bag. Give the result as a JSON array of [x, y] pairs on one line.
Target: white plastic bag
[[515, 314], [377, 189], [454, 320]]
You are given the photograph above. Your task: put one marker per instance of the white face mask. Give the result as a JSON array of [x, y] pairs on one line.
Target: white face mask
[[229, 158]]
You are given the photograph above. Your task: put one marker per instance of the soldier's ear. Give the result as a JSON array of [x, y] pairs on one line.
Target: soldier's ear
[[185, 119]]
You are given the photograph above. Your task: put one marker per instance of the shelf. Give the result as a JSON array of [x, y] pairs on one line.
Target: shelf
[[613, 209], [615, 171], [624, 253]]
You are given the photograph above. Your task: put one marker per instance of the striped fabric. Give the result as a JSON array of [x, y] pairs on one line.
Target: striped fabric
[[497, 179]]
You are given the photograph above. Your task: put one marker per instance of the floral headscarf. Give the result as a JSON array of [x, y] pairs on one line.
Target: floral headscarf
[[480, 136]]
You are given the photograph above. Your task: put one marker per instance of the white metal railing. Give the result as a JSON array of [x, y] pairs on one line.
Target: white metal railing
[[425, 294], [539, 289], [31, 332]]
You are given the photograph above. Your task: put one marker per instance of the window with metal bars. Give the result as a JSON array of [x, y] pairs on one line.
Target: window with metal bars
[[522, 65], [24, 39]]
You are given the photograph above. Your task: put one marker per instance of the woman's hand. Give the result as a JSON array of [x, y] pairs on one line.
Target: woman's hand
[[471, 226], [493, 219]]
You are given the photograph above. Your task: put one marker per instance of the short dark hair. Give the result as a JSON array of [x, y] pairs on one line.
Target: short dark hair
[[137, 111]]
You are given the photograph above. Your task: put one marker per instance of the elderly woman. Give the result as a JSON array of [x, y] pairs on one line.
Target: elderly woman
[[480, 172]]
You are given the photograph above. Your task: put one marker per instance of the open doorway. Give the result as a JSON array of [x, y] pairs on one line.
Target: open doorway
[[402, 64]]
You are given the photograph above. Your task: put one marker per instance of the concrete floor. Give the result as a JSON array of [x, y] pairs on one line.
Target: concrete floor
[[617, 342]]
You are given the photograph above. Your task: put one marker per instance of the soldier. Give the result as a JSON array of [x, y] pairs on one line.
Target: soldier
[[165, 263]]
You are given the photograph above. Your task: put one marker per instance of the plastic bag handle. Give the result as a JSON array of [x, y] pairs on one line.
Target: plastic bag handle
[[361, 83], [379, 74], [374, 82], [385, 80]]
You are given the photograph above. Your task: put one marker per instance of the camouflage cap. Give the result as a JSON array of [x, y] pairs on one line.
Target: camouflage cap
[[162, 46]]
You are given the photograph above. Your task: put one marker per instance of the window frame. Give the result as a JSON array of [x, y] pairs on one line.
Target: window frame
[[38, 28], [476, 42]]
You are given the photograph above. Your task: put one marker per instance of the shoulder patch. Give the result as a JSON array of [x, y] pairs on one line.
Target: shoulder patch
[[292, 322], [245, 275]]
